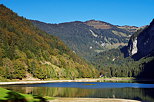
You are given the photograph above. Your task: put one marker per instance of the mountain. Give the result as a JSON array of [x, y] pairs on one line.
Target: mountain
[[88, 38], [141, 46], [131, 29], [134, 60], [141, 43], [26, 51], [99, 24]]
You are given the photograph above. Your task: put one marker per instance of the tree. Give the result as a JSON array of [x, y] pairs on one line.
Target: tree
[[19, 70], [8, 67]]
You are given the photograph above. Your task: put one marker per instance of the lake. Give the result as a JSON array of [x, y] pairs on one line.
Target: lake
[[135, 91]]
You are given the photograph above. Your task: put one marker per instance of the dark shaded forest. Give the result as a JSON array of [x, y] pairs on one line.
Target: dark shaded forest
[[113, 63]]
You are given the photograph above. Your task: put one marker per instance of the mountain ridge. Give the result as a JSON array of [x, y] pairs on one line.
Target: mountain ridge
[[83, 37]]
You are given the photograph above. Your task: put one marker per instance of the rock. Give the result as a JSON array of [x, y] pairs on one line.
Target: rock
[[141, 44]]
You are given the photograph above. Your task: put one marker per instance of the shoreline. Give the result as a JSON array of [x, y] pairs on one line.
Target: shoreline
[[59, 99], [50, 81], [76, 80]]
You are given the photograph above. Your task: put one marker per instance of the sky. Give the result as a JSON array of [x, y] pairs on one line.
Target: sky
[[117, 12]]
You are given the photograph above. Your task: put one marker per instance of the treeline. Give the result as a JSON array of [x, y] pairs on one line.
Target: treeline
[[112, 63], [26, 49]]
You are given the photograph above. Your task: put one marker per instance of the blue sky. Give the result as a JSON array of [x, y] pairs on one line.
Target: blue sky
[[117, 12]]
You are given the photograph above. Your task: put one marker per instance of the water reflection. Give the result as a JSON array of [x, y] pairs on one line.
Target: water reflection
[[144, 94]]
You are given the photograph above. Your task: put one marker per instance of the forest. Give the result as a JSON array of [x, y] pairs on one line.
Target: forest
[[24, 50], [113, 63]]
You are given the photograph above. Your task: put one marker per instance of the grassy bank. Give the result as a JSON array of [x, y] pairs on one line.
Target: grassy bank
[[11, 96]]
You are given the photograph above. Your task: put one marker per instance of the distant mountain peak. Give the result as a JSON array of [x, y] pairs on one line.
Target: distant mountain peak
[[99, 24]]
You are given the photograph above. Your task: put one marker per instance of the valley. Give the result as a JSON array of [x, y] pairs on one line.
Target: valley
[[50, 54]]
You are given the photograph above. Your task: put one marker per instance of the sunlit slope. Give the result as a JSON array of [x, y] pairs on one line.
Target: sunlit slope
[[24, 50]]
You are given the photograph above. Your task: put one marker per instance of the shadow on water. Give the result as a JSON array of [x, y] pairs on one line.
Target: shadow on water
[[147, 74]]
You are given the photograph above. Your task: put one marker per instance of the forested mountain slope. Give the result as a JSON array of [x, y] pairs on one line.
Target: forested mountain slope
[[24, 49], [134, 60], [88, 38]]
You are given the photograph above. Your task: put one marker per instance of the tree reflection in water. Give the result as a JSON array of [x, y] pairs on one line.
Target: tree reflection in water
[[124, 93]]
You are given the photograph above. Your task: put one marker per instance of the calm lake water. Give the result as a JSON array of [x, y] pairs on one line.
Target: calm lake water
[[136, 91]]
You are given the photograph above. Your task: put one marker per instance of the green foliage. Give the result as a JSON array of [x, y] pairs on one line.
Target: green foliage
[[113, 64], [11, 96], [19, 70], [7, 68], [26, 49]]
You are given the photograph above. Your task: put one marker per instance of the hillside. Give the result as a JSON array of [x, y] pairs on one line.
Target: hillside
[[141, 43], [24, 49], [131, 29], [134, 60], [88, 38]]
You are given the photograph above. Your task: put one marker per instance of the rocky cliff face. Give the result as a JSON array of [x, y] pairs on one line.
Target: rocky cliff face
[[132, 49], [141, 43]]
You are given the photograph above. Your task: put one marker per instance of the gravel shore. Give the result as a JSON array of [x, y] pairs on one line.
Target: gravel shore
[[91, 100], [51, 81]]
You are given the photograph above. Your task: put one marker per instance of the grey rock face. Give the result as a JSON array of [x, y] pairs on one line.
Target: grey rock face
[[142, 44], [133, 47]]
